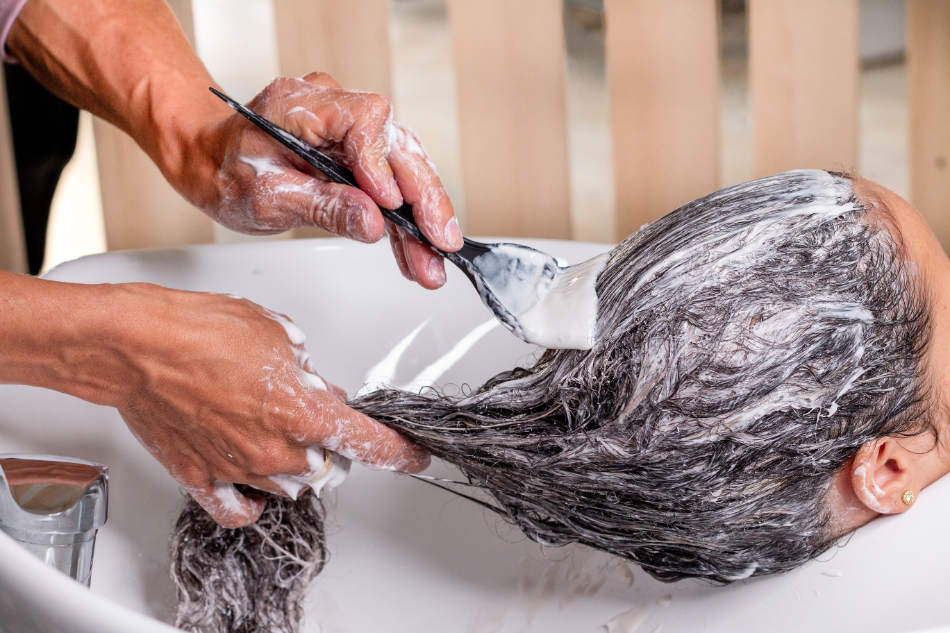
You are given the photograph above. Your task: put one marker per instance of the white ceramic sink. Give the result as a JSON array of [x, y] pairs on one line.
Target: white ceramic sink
[[406, 557]]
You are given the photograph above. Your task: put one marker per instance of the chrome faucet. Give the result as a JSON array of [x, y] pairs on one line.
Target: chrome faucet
[[53, 507]]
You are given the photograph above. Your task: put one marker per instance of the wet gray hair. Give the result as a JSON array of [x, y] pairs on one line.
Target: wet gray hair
[[251, 579], [749, 343]]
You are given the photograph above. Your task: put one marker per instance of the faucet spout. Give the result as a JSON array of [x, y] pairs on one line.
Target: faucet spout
[[53, 507]]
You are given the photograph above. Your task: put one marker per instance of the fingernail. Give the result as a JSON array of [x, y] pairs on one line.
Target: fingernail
[[437, 270], [357, 225], [394, 193], [402, 244], [423, 458], [452, 234], [419, 460]]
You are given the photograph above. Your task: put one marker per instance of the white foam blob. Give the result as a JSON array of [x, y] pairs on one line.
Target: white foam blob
[[320, 476], [262, 165], [566, 317]]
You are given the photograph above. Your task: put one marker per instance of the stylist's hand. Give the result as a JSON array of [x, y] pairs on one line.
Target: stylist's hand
[[253, 184], [222, 393]]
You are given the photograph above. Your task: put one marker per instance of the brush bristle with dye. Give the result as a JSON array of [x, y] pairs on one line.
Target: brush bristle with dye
[[538, 300]]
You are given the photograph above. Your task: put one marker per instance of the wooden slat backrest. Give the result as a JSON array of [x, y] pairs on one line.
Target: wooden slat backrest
[[348, 40], [663, 88], [803, 84], [12, 246], [510, 74], [663, 82], [140, 208], [928, 66]]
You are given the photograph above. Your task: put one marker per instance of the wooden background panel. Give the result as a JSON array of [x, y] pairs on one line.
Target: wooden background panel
[[928, 73], [12, 246], [350, 40], [803, 84], [510, 73], [663, 84], [139, 207]]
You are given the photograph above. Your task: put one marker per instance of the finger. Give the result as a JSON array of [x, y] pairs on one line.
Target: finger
[[367, 146], [359, 437], [229, 508], [399, 252], [342, 210], [290, 481], [254, 464], [421, 187], [321, 79], [283, 485], [360, 121], [280, 458], [426, 266]]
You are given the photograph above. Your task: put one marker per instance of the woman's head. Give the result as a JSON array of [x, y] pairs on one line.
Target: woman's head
[[765, 379], [749, 344]]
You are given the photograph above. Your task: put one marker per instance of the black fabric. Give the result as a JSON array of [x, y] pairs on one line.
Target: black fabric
[[44, 137]]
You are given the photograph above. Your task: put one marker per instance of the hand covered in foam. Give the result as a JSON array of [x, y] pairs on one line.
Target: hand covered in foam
[[251, 183], [222, 391]]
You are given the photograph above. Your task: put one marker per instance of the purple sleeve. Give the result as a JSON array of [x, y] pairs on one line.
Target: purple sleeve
[[9, 10]]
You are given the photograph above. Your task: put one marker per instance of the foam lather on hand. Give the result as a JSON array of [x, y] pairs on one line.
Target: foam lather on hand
[[327, 470]]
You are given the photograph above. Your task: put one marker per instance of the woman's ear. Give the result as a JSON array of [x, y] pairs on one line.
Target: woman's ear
[[886, 476]]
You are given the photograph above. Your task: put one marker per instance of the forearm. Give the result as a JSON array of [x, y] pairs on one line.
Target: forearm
[[125, 61], [128, 62], [218, 389], [61, 336]]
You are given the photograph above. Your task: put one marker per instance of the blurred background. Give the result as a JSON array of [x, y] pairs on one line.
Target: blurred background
[[563, 119]]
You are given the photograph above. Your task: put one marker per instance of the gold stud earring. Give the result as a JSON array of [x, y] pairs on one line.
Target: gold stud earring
[[907, 497]]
